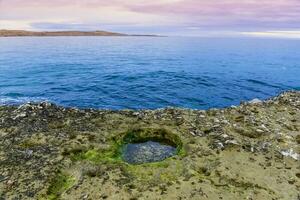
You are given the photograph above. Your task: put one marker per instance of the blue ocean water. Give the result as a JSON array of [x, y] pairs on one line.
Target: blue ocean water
[[146, 72]]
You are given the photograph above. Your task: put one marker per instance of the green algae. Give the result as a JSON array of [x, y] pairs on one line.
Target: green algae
[[114, 152], [154, 173], [163, 136], [58, 185], [29, 143], [97, 156]]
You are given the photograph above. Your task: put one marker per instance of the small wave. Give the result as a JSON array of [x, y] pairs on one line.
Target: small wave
[[296, 88], [14, 95], [19, 100], [262, 83]]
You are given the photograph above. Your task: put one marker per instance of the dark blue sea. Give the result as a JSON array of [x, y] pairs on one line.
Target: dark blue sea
[[146, 72]]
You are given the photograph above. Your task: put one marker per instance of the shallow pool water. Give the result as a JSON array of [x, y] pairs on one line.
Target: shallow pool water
[[147, 152]]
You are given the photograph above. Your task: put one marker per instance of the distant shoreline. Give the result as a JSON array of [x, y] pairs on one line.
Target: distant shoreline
[[23, 33]]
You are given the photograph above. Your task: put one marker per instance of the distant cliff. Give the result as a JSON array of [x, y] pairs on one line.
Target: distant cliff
[[22, 33]]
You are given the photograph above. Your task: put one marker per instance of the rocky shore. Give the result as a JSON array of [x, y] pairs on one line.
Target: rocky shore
[[251, 151]]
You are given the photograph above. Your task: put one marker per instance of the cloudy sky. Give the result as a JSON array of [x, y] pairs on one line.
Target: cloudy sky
[[170, 17]]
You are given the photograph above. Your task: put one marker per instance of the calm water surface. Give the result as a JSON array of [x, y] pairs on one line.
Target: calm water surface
[[145, 72], [147, 152]]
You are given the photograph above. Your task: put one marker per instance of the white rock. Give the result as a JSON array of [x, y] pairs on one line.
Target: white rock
[[255, 101], [290, 153]]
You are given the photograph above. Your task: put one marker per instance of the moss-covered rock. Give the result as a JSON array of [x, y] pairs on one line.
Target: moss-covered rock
[[58, 185]]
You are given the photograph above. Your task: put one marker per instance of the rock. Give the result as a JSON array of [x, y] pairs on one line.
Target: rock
[[298, 139], [249, 133], [9, 184], [255, 101], [290, 153], [3, 178], [28, 153], [85, 196]]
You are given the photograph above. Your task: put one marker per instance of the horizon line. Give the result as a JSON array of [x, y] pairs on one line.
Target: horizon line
[[280, 34]]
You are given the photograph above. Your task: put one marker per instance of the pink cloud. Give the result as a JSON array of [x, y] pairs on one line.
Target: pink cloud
[[238, 8], [201, 13], [255, 8]]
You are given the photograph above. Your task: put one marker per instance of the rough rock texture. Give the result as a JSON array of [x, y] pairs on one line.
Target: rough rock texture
[[247, 152]]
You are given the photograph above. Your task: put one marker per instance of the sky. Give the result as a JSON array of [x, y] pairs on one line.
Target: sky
[[260, 18]]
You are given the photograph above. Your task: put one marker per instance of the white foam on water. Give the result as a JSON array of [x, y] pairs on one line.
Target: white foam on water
[[19, 100]]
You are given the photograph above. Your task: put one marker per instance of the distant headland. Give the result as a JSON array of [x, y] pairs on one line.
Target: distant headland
[[24, 33]]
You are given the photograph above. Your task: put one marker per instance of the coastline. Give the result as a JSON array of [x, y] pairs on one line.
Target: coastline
[[23, 33], [246, 151]]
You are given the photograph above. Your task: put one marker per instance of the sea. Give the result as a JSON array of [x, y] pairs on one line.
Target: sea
[[146, 72]]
